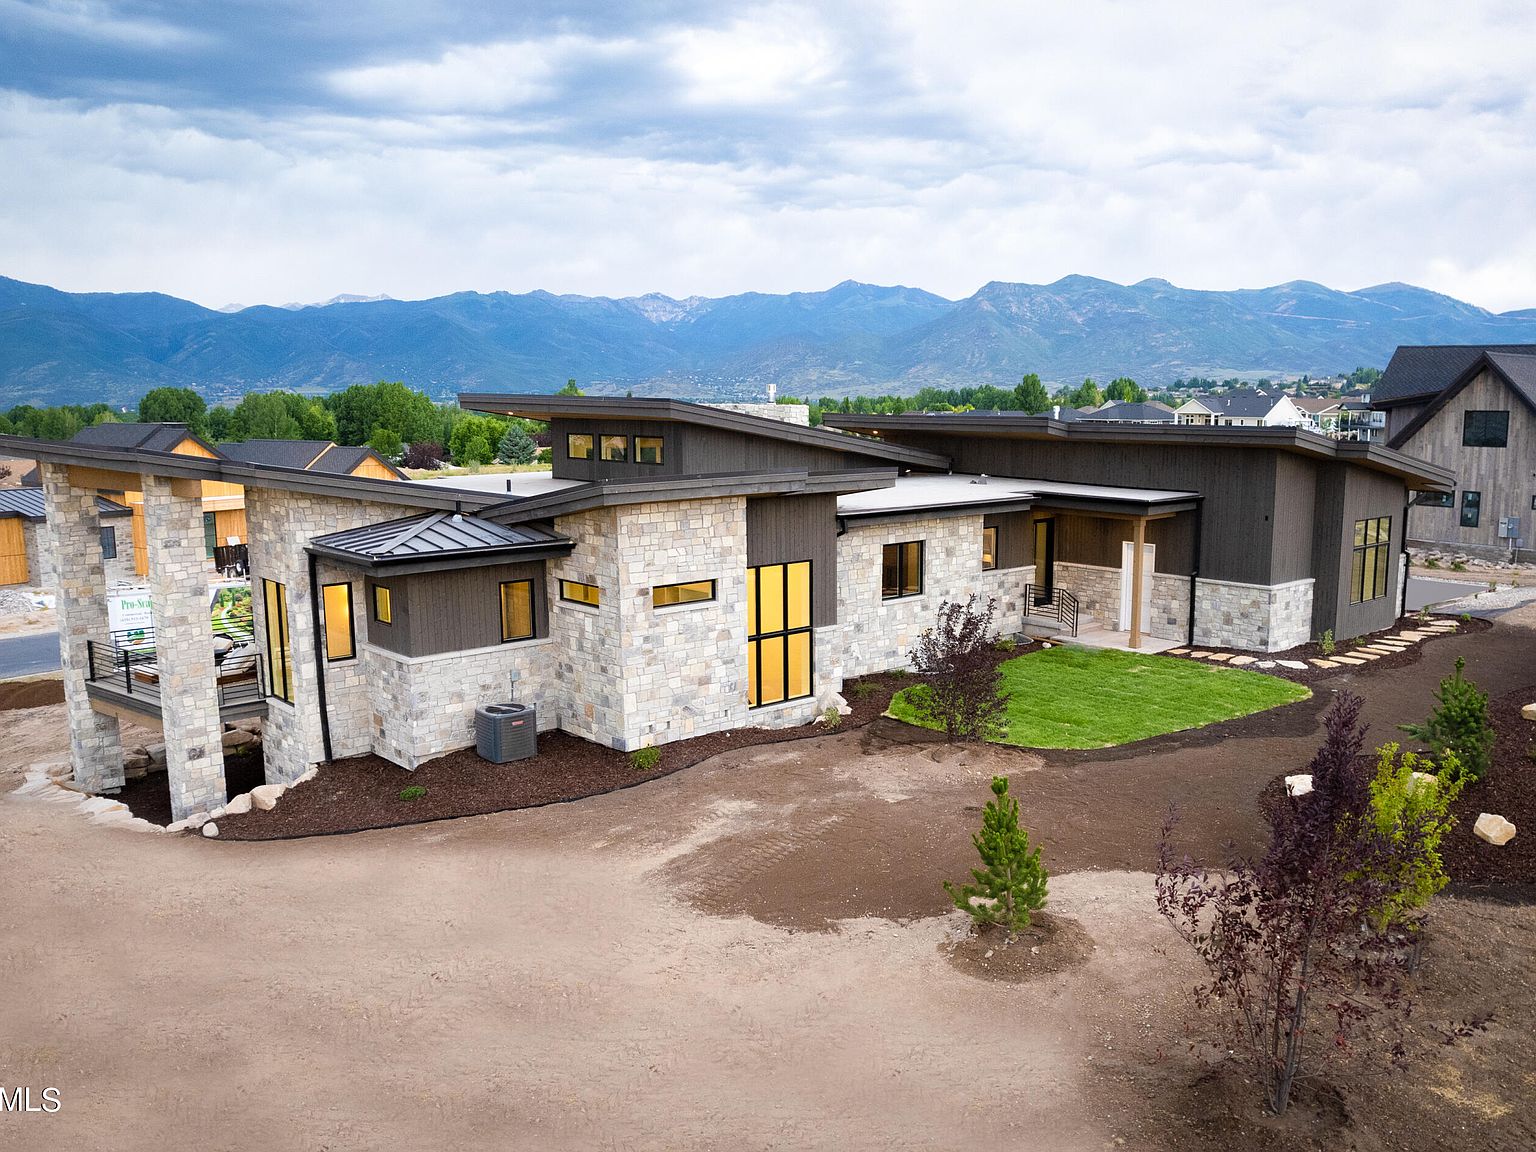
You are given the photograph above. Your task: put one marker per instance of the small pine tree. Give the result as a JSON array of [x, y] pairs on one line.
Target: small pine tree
[[1459, 734], [1012, 883], [517, 447]]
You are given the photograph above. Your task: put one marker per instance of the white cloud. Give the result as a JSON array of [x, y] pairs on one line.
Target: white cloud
[[777, 53]]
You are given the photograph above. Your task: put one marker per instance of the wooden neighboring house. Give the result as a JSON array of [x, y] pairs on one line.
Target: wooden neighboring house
[[1242, 408], [313, 456], [25, 560], [1470, 409]]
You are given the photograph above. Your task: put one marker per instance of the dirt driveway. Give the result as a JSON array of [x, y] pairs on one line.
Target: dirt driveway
[[748, 954]]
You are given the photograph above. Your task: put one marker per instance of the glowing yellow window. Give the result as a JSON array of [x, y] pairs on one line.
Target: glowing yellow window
[[340, 642], [383, 607], [516, 610], [693, 592], [579, 593]]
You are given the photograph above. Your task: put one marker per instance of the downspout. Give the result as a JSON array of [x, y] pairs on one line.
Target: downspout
[[314, 615], [1407, 559], [1194, 567]]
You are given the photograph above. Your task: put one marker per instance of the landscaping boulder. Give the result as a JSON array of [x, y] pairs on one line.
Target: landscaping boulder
[[210, 829], [156, 752], [1494, 829], [265, 796], [239, 806], [236, 739], [308, 774], [136, 762], [1299, 785], [1417, 780], [252, 724], [1529, 711], [833, 700]]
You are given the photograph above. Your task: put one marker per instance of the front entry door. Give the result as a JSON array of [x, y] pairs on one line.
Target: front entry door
[[1045, 560], [1127, 560]]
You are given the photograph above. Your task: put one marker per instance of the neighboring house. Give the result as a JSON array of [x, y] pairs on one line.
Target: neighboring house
[[313, 456], [1470, 409], [1241, 408], [1122, 412], [684, 570], [24, 558], [1319, 413]]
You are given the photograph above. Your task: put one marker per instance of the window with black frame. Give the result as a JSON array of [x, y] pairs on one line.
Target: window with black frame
[[988, 549], [1436, 500], [516, 610], [1485, 429], [578, 445], [901, 570], [779, 646], [108, 542], [1471, 509], [1371, 556]]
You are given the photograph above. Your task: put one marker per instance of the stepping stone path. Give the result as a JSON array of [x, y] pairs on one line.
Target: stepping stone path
[[1324, 664], [1198, 655], [1240, 661], [1177, 651], [1343, 660], [1296, 665], [1220, 657]]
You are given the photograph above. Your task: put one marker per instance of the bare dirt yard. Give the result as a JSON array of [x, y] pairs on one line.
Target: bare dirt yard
[[754, 952]]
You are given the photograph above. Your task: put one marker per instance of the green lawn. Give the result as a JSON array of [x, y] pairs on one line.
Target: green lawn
[[1068, 697]]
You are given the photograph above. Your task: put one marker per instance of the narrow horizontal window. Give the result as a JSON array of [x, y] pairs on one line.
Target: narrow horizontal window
[[579, 593], [648, 449], [1436, 500], [340, 642], [383, 607], [516, 610], [578, 446], [615, 449], [665, 595]]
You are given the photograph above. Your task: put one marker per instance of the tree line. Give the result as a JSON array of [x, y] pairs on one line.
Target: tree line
[[1028, 396]]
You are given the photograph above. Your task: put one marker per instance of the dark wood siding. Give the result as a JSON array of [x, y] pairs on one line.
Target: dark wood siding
[[784, 529], [452, 611], [1345, 495], [1238, 485], [688, 450], [1086, 539], [1015, 538], [1295, 519]]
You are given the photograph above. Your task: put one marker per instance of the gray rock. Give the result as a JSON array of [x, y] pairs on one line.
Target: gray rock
[[210, 829], [265, 796], [239, 806]]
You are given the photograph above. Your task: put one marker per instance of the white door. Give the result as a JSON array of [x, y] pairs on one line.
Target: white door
[[1148, 562]]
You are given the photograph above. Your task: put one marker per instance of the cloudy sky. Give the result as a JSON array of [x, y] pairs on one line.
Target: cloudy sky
[[276, 151]]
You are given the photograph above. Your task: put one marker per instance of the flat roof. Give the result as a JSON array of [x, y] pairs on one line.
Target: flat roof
[[917, 494], [506, 484]]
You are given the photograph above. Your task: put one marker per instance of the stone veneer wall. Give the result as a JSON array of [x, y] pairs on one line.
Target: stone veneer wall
[[1097, 589], [1253, 616], [39, 548], [587, 640], [120, 569], [279, 525], [879, 633], [785, 413]]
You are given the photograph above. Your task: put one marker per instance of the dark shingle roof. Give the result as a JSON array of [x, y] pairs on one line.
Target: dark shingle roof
[[1423, 370], [275, 453], [1519, 370], [1138, 413], [1516, 369], [146, 437], [343, 459], [1240, 403], [435, 535], [29, 504]]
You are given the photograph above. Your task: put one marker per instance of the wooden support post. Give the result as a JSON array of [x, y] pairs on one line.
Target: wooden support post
[[1139, 539]]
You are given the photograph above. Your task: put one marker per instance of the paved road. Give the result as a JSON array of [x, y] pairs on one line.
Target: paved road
[[29, 655], [1424, 592]]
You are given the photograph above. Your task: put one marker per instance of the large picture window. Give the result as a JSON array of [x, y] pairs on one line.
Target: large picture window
[[901, 570], [1485, 430], [578, 445], [340, 637], [1471, 509], [779, 649], [648, 449], [1368, 568], [279, 656], [516, 610]]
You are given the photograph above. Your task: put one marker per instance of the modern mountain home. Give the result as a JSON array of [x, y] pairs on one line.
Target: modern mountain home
[[1471, 409], [685, 569]]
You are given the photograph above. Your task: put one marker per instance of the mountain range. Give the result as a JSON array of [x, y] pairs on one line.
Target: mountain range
[[59, 347]]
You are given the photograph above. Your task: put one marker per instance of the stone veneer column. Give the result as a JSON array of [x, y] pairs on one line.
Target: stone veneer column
[[178, 582], [75, 544]]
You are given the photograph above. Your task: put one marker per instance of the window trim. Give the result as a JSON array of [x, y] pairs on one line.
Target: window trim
[[1370, 561], [1471, 501], [713, 594], [108, 542], [660, 451], [755, 639], [387, 617], [1482, 423], [597, 594], [570, 437], [602, 448], [901, 569], [325, 620], [533, 611], [992, 567]]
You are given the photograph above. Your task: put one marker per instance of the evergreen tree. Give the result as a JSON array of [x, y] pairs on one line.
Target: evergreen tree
[[1030, 396], [1458, 731], [1012, 882], [517, 447]]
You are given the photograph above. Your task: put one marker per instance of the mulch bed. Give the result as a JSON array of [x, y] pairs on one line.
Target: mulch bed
[[1050, 944], [1508, 789], [1313, 651], [149, 797], [16, 694], [363, 792]]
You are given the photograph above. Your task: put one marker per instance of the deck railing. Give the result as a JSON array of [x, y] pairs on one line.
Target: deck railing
[[1051, 604], [135, 671]]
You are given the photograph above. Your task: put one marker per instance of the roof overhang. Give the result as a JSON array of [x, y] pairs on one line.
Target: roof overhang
[[448, 562], [547, 408]]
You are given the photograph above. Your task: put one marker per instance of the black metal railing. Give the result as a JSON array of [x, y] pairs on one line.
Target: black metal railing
[[232, 559], [237, 627], [1051, 604], [135, 671]]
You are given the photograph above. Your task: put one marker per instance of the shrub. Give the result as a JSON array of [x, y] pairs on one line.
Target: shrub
[[414, 792], [962, 689], [1422, 616], [1458, 732], [644, 759], [426, 454], [1458, 566], [1325, 642], [832, 718], [1432, 562], [862, 689], [1293, 932], [1006, 644], [1410, 809], [1012, 882]]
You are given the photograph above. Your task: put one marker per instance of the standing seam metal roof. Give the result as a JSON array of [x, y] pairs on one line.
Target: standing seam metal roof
[[435, 534]]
